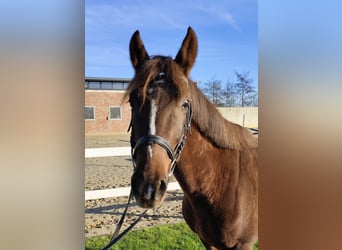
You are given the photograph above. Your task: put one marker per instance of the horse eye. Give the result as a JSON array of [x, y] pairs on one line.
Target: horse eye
[[150, 91], [185, 104]]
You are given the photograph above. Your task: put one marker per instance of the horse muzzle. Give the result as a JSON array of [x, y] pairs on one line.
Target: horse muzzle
[[149, 193]]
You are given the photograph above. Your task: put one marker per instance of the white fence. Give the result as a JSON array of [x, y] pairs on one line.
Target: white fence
[[107, 152], [113, 192]]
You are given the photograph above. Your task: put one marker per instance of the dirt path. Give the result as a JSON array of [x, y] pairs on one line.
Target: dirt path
[[103, 141]]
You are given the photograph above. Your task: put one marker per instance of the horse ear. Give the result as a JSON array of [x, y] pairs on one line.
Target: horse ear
[[187, 53], [137, 51]]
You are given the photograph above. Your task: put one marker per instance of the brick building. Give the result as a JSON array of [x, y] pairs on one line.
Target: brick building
[[105, 112]]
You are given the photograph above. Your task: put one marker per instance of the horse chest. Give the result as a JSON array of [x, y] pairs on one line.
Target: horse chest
[[208, 224]]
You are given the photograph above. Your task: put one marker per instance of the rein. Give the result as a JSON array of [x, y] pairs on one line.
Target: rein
[[173, 154]]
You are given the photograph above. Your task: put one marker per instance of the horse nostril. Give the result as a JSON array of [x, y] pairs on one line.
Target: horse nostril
[[149, 191], [154, 190], [162, 186]]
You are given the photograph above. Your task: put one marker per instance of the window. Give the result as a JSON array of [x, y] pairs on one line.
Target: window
[[106, 85], [118, 85], [114, 113], [94, 85], [89, 113]]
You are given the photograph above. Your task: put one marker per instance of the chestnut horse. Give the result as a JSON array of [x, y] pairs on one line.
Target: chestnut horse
[[174, 127]]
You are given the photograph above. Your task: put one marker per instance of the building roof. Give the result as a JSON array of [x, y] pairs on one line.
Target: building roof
[[106, 79], [101, 83]]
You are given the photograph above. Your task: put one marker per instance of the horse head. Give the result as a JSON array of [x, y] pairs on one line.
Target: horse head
[[160, 98]]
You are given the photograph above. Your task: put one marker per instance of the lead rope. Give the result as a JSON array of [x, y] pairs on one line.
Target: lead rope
[[116, 236]]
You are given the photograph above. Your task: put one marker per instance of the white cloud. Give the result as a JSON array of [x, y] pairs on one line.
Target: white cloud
[[167, 14], [133, 15], [217, 11]]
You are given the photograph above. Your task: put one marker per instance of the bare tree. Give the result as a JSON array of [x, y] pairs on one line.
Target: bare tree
[[213, 90], [228, 94], [244, 89], [239, 93], [254, 99]]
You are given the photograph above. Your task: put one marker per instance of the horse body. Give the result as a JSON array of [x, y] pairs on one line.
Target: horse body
[[220, 196], [217, 168]]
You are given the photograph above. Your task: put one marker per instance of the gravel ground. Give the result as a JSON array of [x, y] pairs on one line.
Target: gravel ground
[[102, 215]]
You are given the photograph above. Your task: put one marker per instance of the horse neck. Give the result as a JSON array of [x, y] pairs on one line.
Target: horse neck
[[214, 127], [200, 169]]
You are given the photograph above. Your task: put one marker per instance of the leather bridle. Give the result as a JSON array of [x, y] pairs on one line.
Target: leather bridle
[[173, 154]]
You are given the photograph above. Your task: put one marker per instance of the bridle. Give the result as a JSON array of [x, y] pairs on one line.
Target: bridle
[[173, 154]]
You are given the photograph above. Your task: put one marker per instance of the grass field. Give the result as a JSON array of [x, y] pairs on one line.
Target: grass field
[[174, 236]]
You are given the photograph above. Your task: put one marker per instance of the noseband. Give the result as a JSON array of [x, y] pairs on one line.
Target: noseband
[[173, 154]]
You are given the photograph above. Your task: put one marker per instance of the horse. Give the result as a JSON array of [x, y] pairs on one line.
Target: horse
[[176, 130]]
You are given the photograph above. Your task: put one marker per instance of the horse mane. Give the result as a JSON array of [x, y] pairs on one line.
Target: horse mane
[[221, 132], [150, 69], [210, 122]]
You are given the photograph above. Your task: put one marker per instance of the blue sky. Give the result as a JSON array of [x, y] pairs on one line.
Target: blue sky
[[227, 33]]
